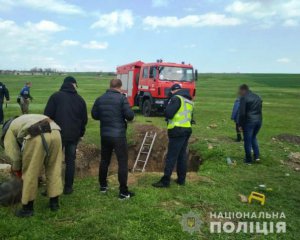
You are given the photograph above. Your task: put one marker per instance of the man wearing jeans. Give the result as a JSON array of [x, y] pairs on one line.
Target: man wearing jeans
[[68, 109], [113, 111], [179, 112], [250, 120]]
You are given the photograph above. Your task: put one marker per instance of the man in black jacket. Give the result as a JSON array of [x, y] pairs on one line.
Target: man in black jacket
[[68, 109], [3, 93], [113, 111], [179, 114], [250, 120]]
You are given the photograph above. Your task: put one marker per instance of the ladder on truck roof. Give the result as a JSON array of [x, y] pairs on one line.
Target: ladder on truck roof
[[144, 152]]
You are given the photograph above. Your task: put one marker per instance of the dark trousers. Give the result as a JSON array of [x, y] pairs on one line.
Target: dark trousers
[[250, 140], [70, 156], [176, 154], [238, 132], [119, 145], [1, 113]]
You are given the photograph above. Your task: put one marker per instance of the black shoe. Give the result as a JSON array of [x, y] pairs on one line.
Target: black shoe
[[103, 189], [26, 210], [23, 213], [180, 183], [54, 207], [160, 184], [68, 191], [54, 204], [126, 195]]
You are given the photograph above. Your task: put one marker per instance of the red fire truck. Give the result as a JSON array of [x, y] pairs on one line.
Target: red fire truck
[[147, 85]]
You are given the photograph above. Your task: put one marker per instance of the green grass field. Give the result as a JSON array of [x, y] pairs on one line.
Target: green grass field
[[154, 213]]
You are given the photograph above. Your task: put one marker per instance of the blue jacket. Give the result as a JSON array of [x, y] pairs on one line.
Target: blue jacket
[[25, 92], [235, 111]]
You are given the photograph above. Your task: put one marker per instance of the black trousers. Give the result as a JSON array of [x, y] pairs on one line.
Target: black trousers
[[119, 145], [176, 154], [70, 156], [1, 113]]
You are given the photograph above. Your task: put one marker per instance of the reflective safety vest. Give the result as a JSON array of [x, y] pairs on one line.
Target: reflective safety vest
[[183, 117]]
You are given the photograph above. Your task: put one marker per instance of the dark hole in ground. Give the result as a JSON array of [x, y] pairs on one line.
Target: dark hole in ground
[[294, 139], [88, 156]]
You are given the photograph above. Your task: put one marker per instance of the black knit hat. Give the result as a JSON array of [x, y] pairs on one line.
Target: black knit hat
[[70, 79]]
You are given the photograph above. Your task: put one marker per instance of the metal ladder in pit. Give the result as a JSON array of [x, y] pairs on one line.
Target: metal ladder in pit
[[145, 151]]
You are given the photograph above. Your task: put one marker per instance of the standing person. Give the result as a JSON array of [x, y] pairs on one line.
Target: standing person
[[3, 93], [68, 109], [235, 118], [179, 112], [250, 120], [113, 111], [31, 142], [25, 98]]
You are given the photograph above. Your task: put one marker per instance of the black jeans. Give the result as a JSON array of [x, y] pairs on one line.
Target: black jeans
[[119, 145], [70, 156], [176, 153], [1, 113]]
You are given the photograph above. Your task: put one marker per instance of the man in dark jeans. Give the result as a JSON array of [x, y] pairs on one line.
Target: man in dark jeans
[[250, 120], [68, 109], [113, 111], [179, 112], [3, 93]]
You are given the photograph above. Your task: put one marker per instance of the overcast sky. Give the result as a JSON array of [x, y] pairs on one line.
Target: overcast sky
[[94, 35]]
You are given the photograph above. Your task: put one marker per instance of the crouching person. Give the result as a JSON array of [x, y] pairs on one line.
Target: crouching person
[[32, 141]]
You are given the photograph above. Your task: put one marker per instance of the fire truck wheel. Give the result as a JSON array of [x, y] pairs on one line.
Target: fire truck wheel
[[147, 108]]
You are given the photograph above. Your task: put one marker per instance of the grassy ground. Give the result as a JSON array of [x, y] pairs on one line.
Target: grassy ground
[[156, 214]]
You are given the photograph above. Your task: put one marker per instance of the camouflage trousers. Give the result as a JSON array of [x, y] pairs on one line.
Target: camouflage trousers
[[34, 159]]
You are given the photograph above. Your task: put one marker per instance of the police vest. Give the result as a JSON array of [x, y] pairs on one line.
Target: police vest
[[183, 117]]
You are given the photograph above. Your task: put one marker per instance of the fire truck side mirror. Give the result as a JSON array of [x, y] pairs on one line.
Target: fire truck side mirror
[[196, 75]]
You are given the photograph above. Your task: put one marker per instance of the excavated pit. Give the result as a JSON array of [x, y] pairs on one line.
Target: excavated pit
[[88, 155]]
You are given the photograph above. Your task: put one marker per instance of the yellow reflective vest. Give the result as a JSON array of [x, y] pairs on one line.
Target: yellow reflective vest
[[183, 117]]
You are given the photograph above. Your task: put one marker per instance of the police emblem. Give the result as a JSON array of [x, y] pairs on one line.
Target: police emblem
[[191, 222]]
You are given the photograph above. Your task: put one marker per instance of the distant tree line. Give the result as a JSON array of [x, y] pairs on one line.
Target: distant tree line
[[46, 71]]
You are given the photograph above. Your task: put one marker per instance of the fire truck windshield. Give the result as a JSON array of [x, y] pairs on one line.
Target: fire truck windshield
[[175, 74]]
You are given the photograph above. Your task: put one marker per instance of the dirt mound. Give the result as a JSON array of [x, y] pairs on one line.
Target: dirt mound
[[88, 156], [293, 161], [294, 139]]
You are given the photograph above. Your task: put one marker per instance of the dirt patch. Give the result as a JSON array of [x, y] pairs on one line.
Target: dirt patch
[[294, 139], [294, 161], [88, 156]]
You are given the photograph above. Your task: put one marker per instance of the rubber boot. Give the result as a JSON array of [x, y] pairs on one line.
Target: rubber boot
[[54, 204], [238, 137], [26, 210]]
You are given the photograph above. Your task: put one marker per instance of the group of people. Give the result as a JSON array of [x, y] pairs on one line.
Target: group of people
[[37, 143]]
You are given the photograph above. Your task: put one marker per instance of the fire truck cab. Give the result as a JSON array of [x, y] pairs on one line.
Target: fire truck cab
[[147, 85]]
